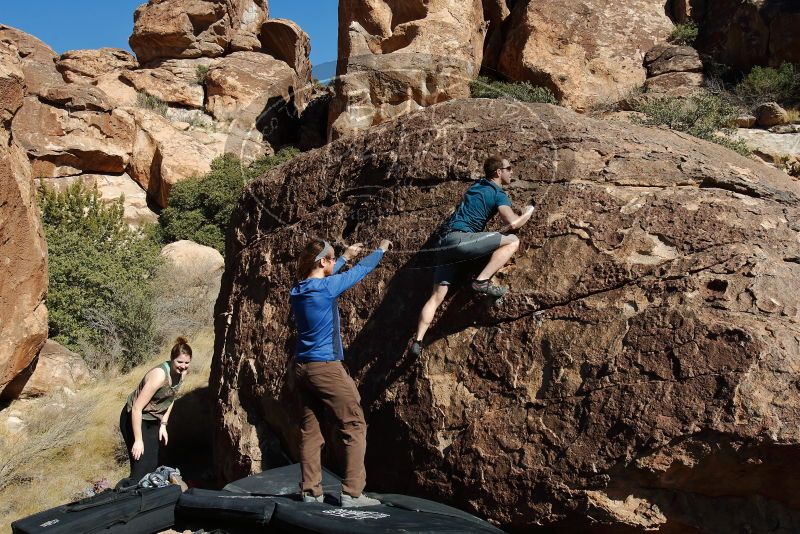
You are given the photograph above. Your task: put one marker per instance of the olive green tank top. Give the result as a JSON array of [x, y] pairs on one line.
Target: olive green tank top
[[162, 398]]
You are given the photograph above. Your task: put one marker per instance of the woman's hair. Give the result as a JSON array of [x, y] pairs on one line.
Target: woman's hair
[[307, 259], [491, 165], [181, 346]]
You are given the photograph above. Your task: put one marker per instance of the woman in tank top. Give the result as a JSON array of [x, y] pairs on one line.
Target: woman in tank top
[[143, 421]]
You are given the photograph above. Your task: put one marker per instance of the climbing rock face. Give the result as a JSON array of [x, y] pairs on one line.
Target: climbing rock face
[[171, 29], [285, 40], [23, 254], [640, 374], [585, 52], [36, 59], [398, 56], [744, 33]]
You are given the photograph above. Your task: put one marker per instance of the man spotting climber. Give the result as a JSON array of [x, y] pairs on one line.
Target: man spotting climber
[[463, 238]]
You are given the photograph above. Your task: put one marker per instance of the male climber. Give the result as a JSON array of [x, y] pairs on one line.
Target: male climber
[[463, 238]]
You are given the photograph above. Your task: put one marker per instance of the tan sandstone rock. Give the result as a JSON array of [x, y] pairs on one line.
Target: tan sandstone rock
[[188, 257], [665, 58], [175, 81], [171, 29], [88, 65], [397, 56], [640, 373], [163, 155], [62, 143], [37, 60], [23, 253], [56, 368], [102, 68], [242, 85], [771, 147], [770, 114], [285, 40], [585, 52]]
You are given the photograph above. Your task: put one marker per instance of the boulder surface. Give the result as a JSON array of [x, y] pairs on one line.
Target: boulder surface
[[640, 374], [23, 253], [186, 29], [398, 56], [585, 51]]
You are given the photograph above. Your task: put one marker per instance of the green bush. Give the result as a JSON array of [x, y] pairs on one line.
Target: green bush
[[766, 84], [684, 34], [702, 115], [485, 87], [200, 209], [100, 295], [148, 101], [200, 74]]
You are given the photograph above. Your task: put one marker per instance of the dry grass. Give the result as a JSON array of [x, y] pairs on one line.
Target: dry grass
[[793, 115], [69, 443]]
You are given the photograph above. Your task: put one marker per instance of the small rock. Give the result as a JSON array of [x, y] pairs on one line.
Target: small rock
[[771, 114], [14, 424], [785, 129], [745, 121], [183, 126]]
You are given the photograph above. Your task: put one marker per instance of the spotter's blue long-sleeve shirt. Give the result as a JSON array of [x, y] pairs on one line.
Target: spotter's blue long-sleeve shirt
[[316, 310]]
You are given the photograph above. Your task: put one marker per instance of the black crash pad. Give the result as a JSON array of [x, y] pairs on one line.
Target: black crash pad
[[396, 514]]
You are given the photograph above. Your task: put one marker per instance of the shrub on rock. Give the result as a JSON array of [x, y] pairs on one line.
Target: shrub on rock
[[199, 209], [767, 84], [684, 34], [702, 115], [485, 87]]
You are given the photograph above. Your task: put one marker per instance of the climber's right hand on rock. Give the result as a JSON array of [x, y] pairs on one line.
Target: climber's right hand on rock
[[385, 245]]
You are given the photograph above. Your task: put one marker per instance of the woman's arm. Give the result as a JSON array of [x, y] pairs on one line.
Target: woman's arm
[[162, 429], [339, 283], [351, 252], [153, 380]]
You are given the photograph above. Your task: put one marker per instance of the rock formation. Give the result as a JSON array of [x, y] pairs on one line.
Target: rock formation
[[641, 373], [398, 56], [56, 368], [746, 33], [23, 254], [585, 52], [172, 29]]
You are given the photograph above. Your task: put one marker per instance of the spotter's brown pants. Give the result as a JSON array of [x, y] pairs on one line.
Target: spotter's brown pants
[[326, 386]]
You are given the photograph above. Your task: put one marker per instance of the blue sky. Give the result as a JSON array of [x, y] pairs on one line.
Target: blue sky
[[76, 24]]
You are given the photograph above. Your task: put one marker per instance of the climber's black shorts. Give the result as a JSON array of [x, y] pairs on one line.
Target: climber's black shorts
[[456, 249]]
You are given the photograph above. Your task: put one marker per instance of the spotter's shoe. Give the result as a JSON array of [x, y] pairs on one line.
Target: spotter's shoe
[[483, 287], [310, 497], [357, 502]]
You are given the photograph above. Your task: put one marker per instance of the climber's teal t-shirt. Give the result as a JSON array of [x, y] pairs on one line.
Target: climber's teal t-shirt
[[479, 205]]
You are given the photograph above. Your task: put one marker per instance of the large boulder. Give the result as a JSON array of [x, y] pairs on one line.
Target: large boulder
[[162, 155], [65, 142], [23, 253], [85, 66], [37, 60], [285, 40], [103, 68], [744, 33], [172, 29], [641, 373], [174, 81], [240, 85], [585, 52], [398, 56], [57, 368]]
